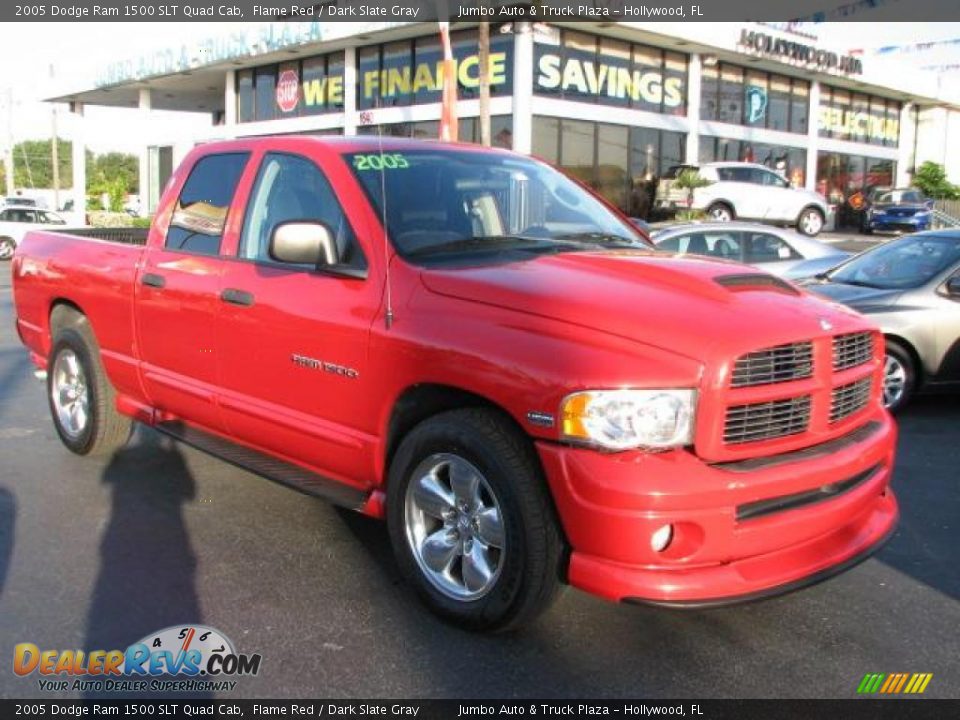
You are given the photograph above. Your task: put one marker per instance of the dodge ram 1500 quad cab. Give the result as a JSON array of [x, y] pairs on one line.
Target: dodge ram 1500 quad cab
[[467, 343]]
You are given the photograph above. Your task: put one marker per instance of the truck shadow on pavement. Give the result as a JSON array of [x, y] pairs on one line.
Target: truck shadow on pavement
[[8, 515], [146, 580]]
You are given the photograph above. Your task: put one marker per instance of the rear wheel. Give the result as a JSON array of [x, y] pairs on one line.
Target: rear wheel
[[82, 401], [7, 248], [471, 522], [720, 212], [899, 376], [810, 222]]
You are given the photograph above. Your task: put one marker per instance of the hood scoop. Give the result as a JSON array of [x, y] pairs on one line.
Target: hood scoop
[[741, 282]]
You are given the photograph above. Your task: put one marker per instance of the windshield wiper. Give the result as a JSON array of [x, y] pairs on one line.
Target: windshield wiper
[[608, 239], [857, 283], [485, 242]]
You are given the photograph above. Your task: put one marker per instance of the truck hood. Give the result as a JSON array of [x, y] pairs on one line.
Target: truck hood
[[692, 306]]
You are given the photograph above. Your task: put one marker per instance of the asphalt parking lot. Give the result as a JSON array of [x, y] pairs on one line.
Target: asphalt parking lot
[[96, 555]]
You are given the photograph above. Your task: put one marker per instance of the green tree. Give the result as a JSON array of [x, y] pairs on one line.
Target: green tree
[[932, 179], [116, 165]]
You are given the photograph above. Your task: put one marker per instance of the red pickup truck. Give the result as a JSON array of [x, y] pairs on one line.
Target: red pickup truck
[[471, 345]]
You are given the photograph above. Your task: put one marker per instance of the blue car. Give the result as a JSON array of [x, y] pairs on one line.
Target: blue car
[[900, 210]]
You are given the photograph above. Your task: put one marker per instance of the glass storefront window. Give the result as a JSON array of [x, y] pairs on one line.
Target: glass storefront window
[[730, 104], [368, 78], [577, 149], [245, 96], [756, 99], [840, 176], [799, 106], [778, 103], [709, 86], [501, 130], [674, 75], [334, 98], [612, 156], [546, 138], [265, 107], [427, 53]]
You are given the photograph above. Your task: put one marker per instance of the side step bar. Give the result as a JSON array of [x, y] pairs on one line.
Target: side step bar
[[266, 466]]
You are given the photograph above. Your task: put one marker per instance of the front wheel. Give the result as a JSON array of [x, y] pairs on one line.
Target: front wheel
[[7, 248], [810, 222], [471, 523], [899, 376]]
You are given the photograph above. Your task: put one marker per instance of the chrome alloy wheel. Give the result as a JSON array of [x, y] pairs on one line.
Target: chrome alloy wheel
[[69, 393], [811, 223], [454, 526], [894, 380], [721, 214]]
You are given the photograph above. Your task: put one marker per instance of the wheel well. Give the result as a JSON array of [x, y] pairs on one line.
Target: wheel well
[[918, 371], [419, 402], [823, 215], [726, 203], [64, 313]]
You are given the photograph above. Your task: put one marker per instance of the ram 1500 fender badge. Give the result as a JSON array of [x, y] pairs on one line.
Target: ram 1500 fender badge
[[826, 325], [536, 417], [314, 364]]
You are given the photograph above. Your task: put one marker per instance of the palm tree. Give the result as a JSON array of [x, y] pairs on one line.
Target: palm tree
[[483, 55]]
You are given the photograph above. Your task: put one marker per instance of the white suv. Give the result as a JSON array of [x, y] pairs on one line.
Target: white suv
[[748, 191]]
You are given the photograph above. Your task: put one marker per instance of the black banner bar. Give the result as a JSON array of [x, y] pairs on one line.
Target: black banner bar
[[481, 10], [176, 707]]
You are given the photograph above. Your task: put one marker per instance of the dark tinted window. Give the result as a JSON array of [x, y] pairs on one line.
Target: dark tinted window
[[764, 247], [201, 211], [291, 188], [735, 174]]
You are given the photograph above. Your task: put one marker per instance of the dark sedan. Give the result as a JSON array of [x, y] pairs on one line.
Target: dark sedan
[[900, 210]]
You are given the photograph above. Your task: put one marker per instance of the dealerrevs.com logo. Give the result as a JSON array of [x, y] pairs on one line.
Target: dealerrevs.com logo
[[184, 658]]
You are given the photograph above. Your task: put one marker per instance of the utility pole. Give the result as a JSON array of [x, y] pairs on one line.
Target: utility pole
[[483, 55], [8, 160], [54, 155]]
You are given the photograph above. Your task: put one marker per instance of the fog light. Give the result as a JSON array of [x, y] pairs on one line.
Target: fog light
[[661, 538]]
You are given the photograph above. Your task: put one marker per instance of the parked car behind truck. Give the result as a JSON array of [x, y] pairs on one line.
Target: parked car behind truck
[[472, 346], [746, 191]]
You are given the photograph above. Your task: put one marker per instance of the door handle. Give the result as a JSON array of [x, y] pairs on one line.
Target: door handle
[[237, 297], [153, 280]]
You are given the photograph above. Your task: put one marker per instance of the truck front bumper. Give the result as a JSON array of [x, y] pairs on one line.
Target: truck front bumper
[[739, 531]]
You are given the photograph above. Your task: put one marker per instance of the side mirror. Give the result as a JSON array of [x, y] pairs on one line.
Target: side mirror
[[303, 243], [953, 287]]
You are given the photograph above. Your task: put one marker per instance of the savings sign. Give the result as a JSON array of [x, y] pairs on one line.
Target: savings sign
[[288, 91]]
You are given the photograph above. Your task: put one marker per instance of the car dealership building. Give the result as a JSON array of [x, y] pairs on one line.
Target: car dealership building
[[615, 104]]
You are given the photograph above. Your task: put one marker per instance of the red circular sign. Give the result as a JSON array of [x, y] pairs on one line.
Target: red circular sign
[[288, 91]]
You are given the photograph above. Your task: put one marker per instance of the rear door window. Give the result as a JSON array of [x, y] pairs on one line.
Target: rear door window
[[725, 244], [201, 211], [764, 248]]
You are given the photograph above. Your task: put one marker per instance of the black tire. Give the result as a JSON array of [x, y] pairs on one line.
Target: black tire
[[899, 354], [530, 566], [106, 430], [718, 206]]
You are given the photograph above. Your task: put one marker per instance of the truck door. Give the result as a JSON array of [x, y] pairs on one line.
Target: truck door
[[177, 294], [292, 339]]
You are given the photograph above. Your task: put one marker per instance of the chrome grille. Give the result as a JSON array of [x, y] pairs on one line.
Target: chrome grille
[[851, 350], [767, 420], [782, 363], [848, 399]]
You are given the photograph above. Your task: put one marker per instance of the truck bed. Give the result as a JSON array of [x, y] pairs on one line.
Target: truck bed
[[124, 235]]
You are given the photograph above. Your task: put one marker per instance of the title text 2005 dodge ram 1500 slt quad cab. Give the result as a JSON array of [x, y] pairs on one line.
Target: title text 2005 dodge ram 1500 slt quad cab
[[531, 395]]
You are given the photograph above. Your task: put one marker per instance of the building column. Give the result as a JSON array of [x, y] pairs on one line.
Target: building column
[[523, 88], [79, 161], [350, 91], [905, 149], [693, 110], [230, 104], [813, 136], [144, 193]]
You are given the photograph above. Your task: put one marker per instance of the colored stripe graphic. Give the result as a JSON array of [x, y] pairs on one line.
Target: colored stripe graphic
[[894, 683]]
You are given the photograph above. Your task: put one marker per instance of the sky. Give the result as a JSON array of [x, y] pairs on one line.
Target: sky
[[76, 50]]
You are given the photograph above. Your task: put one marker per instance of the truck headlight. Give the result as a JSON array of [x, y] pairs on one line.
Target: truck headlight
[[625, 419]]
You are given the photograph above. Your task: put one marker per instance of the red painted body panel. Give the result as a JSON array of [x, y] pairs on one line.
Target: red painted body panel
[[521, 336]]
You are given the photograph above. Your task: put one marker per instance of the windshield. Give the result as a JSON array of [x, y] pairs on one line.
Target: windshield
[[901, 196], [447, 203], [904, 263]]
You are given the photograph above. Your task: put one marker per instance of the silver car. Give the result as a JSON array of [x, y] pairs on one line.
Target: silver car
[[911, 288], [779, 251]]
